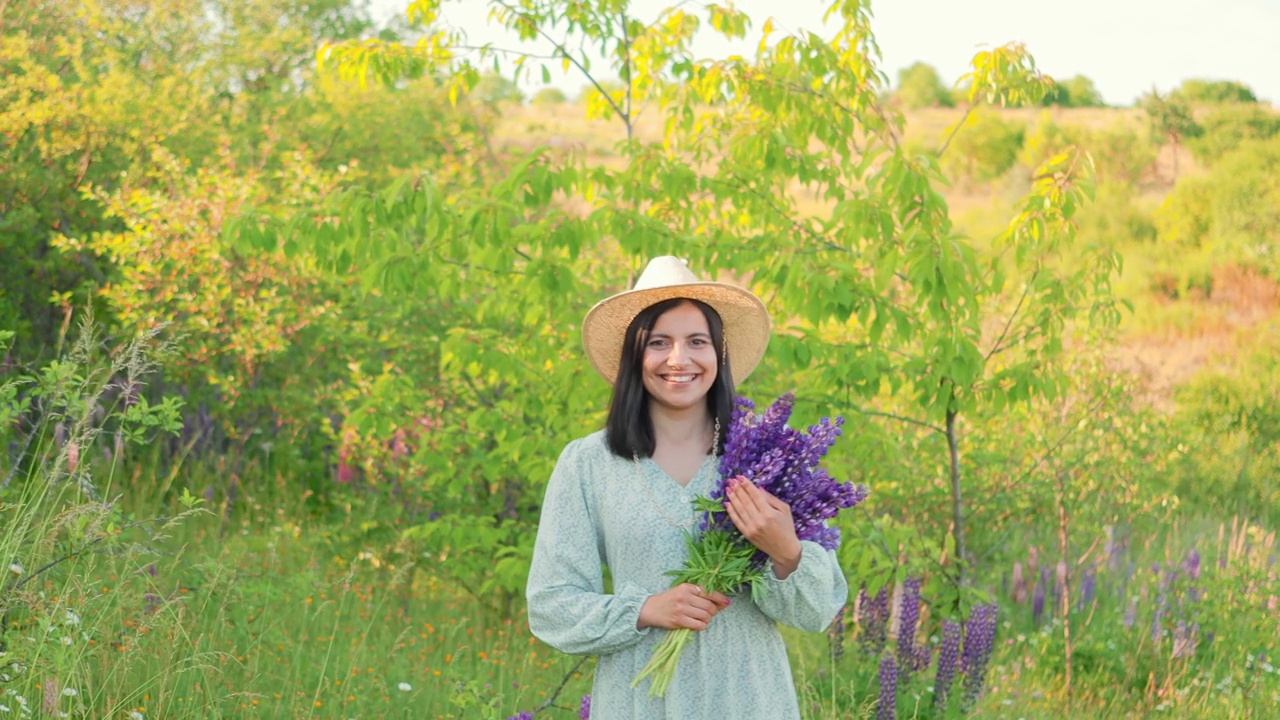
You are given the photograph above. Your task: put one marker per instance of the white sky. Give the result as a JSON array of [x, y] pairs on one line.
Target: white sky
[[1125, 46]]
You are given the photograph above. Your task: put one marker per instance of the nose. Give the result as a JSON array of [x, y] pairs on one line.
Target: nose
[[676, 358]]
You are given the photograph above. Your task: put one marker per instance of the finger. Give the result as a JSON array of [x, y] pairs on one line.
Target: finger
[[735, 516], [720, 599], [754, 495]]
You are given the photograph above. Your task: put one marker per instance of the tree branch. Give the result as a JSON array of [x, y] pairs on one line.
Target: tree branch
[[1009, 323], [901, 418], [946, 143], [564, 54]]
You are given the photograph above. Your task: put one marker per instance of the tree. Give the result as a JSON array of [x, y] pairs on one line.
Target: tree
[[1214, 92], [1227, 128], [1170, 121], [1078, 91], [549, 96], [919, 86], [878, 297]]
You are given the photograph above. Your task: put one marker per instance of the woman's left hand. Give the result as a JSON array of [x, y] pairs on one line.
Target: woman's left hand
[[766, 522]]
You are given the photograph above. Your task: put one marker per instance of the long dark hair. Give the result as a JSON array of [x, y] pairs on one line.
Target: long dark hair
[[629, 429]]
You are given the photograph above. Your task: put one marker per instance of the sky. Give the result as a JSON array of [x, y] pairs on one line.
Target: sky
[[1126, 47]]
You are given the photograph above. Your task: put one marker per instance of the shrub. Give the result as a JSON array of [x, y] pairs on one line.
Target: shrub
[[984, 148], [549, 96], [1227, 128]]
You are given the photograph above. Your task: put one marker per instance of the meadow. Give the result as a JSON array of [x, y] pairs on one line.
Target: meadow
[[286, 364]]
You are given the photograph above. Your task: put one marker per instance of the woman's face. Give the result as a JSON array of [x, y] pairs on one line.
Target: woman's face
[[680, 360]]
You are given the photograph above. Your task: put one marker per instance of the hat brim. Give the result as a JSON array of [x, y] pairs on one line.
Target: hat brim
[[746, 324]]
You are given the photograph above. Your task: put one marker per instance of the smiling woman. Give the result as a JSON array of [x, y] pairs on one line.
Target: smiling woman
[[674, 348]]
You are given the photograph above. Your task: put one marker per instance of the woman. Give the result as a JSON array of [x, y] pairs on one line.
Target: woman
[[673, 347]]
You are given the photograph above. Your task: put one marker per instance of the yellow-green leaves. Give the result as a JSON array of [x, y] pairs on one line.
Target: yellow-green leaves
[[1006, 75]]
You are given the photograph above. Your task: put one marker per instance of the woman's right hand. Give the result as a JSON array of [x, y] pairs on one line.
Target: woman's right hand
[[683, 606]]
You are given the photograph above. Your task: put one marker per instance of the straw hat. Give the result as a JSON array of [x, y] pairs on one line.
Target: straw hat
[[746, 321]]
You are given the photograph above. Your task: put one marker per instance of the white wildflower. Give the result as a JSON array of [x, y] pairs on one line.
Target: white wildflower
[[70, 692], [135, 715], [4, 708], [66, 640], [72, 618], [405, 687], [15, 567]]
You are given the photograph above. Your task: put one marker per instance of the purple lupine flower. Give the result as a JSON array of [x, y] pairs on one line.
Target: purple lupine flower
[[522, 715], [908, 655], [584, 709], [1191, 564], [835, 635], [948, 655], [887, 707], [784, 461], [1037, 600], [979, 641], [873, 616], [1131, 613], [1184, 640], [1088, 588]]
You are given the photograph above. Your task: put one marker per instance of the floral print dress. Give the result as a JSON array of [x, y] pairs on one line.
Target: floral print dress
[[604, 511]]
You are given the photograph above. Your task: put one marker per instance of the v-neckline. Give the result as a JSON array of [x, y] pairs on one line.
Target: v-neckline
[[673, 481]]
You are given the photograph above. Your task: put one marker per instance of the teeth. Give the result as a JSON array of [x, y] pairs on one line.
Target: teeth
[[680, 378]]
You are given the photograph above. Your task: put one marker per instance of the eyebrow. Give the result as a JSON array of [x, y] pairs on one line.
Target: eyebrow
[[690, 335]]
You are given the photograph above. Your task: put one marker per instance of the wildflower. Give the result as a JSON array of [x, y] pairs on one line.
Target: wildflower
[[835, 636], [405, 687], [979, 640], [135, 715], [948, 654], [65, 640], [1037, 600], [72, 618], [69, 692], [15, 567], [886, 708], [910, 657], [522, 715], [764, 451], [873, 616], [584, 709], [4, 708]]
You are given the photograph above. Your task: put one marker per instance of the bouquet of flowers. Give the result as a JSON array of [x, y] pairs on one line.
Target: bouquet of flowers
[[781, 460]]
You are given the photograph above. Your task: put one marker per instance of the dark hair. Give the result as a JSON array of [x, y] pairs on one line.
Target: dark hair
[[629, 429]]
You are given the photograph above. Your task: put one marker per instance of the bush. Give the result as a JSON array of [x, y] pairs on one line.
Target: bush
[[550, 96], [984, 148], [919, 86], [1214, 92], [1227, 128], [1236, 207], [1120, 153]]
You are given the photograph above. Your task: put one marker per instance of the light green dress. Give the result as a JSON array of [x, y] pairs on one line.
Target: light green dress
[[603, 510]]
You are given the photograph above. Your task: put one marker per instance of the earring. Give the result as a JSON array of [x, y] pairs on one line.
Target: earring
[[715, 440]]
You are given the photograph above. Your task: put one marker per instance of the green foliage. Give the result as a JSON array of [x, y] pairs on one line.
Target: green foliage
[[1169, 118], [63, 530], [1235, 209], [1198, 91], [919, 86], [1227, 128], [494, 89], [549, 96], [985, 147], [1232, 410], [1078, 92], [1121, 154]]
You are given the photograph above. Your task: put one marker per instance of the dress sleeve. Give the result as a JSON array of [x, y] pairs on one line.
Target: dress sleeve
[[811, 596], [568, 608]]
